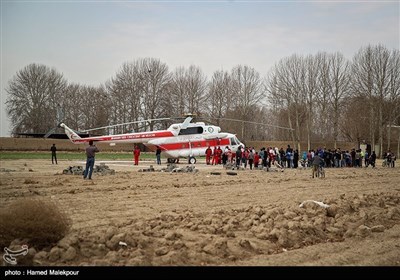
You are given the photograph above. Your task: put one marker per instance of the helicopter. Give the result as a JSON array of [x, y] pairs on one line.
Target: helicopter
[[181, 140]]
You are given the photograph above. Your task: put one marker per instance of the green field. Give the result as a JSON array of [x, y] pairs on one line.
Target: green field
[[73, 155]]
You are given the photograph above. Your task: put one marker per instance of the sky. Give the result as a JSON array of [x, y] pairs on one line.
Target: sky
[[88, 41]]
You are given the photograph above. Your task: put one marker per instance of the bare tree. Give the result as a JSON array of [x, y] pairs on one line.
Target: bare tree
[[287, 88], [322, 96], [126, 93], [248, 91], [188, 89], [219, 96], [371, 71], [362, 84], [310, 90], [178, 92], [312, 68], [350, 123], [381, 81], [33, 95], [72, 106], [340, 78], [95, 105], [196, 86], [155, 88], [393, 108]]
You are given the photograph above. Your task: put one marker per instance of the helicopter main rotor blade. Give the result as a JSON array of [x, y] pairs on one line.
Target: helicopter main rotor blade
[[271, 125], [97, 128], [50, 132]]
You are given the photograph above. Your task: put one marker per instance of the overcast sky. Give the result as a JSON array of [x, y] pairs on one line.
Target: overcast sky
[[88, 41]]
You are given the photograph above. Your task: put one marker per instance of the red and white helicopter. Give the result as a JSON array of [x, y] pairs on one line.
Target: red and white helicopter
[[186, 139]]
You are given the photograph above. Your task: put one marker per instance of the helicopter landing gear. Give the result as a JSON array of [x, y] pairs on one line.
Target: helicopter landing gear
[[192, 160]]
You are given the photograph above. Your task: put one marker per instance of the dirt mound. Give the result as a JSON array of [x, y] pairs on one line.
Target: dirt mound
[[223, 237]]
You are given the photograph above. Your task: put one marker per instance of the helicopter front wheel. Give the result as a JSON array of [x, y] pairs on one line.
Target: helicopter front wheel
[[192, 160]]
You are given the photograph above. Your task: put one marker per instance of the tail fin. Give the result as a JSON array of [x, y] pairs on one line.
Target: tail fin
[[70, 133]]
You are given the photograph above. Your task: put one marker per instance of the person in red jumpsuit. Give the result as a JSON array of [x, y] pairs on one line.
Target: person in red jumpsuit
[[136, 154], [256, 159], [214, 156], [208, 155], [218, 156]]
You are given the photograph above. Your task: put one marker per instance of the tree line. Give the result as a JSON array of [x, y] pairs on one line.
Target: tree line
[[320, 97]]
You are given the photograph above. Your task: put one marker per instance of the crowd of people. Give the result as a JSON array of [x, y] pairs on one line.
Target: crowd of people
[[248, 156], [290, 158], [266, 157]]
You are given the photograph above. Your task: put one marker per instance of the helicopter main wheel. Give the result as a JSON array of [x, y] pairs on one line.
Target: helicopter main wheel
[[192, 160]]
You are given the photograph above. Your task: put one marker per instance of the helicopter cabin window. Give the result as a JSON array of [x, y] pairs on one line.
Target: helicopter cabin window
[[233, 142], [191, 130]]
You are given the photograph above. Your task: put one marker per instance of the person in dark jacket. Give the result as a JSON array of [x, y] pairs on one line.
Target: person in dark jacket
[[53, 154], [158, 155], [90, 154], [372, 159], [296, 159]]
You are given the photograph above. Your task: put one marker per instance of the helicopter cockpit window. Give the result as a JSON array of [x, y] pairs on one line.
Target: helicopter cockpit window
[[235, 141], [191, 130]]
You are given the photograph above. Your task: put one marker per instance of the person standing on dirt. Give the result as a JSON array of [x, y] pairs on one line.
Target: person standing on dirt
[[238, 156], [366, 158], [250, 158], [136, 154], [372, 159], [158, 155], [53, 154], [208, 155], [296, 158], [317, 161], [90, 154]]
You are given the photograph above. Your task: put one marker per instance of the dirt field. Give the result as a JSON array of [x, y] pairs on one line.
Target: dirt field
[[161, 218]]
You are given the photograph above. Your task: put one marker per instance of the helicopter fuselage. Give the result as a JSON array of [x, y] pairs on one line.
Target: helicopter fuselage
[[186, 139]]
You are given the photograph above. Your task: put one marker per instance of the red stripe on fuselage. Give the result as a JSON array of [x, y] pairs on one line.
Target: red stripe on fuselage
[[196, 144], [127, 137]]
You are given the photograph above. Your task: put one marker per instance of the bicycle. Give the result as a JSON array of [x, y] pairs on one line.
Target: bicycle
[[386, 163], [318, 171], [321, 172]]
